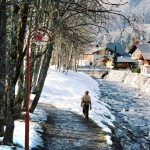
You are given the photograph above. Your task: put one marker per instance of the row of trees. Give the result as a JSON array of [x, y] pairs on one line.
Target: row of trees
[[71, 24]]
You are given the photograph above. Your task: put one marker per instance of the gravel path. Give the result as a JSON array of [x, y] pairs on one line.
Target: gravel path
[[65, 130]]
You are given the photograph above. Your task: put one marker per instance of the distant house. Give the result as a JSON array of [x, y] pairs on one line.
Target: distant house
[[145, 53], [134, 51], [97, 54], [89, 56], [141, 52], [123, 62], [144, 57]]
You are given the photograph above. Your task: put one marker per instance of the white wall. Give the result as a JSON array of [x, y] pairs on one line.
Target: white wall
[[84, 63], [135, 80]]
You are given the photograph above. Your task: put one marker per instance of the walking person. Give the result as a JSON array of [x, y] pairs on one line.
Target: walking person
[[94, 64], [86, 104]]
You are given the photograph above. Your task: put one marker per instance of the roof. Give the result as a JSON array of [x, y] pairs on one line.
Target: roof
[[132, 50], [135, 43], [133, 47], [145, 50], [124, 59], [89, 52], [96, 52], [120, 50]]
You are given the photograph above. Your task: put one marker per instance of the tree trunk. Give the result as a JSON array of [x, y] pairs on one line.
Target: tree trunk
[[11, 67], [3, 21], [8, 138], [20, 96], [35, 76], [43, 74]]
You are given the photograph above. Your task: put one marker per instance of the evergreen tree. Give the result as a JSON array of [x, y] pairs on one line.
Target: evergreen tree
[[115, 57]]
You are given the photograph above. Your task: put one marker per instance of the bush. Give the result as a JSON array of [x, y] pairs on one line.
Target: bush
[[136, 70]]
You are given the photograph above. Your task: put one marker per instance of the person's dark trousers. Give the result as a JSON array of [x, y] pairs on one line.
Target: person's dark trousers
[[86, 111]]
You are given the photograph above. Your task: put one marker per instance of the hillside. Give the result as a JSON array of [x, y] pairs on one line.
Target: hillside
[[139, 8], [135, 8], [139, 14]]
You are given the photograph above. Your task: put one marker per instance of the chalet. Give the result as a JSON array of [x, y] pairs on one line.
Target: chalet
[[134, 51], [89, 56], [144, 57], [144, 53], [123, 62], [141, 52], [97, 54]]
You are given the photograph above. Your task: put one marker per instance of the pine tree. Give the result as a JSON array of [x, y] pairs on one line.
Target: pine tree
[[115, 57]]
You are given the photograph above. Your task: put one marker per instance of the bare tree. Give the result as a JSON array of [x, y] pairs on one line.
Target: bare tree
[[3, 21]]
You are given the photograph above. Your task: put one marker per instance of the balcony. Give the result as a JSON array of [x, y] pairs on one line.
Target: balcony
[[145, 69]]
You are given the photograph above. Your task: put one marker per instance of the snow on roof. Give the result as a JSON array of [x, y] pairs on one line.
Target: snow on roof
[[123, 59], [145, 50], [91, 51]]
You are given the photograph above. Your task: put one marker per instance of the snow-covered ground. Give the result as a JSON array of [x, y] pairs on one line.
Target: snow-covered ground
[[64, 92], [19, 132]]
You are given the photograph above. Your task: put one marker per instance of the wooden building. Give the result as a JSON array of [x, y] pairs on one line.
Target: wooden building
[[144, 53], [88, 57], [144, 58]]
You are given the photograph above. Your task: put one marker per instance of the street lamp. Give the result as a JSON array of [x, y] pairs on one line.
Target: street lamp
[[38, 38]]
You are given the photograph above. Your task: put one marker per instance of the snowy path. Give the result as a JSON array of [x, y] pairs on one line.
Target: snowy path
[[65, 130], [131, 108]]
